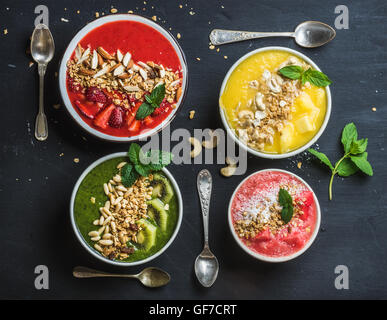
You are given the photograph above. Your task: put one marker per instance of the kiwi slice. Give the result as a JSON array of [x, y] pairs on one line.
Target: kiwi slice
[[162, 188], [157, 212], [147, 236]]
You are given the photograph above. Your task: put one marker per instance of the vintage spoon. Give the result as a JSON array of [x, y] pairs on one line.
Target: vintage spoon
[[149, 277], [309, 34], [42, 51], [206, 264]]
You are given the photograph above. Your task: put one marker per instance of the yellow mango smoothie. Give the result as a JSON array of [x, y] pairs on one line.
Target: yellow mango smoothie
[[271, 113]]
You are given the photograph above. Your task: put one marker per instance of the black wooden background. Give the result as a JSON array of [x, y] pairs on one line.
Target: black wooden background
[[36, 182]]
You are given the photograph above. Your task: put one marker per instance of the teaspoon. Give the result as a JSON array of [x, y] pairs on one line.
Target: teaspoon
[[309, 34], [149, 277], [206, 264], [42, 51]]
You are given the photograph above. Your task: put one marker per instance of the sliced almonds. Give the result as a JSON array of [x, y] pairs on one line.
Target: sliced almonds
[[104, 53], [126, 59], [94, 60], [119, 55], [102, 72]]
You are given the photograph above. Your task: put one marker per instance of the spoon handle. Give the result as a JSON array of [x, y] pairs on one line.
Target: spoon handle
[[204, 184], [83, 272], [220, 36], [41, 127]]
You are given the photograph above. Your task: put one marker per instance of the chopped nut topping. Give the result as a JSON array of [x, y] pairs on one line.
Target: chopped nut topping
[[118, 222]]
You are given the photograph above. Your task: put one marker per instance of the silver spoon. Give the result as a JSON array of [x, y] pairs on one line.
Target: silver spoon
[[206, 264], [149, 277], [42, 51], [309, 34]]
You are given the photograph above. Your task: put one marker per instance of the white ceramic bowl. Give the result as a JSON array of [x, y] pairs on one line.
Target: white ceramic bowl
[[263, 154], [261, 256], [94, 252], [70, 49]]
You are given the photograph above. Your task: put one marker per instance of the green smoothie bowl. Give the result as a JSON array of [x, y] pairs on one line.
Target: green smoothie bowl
[[125, 223]]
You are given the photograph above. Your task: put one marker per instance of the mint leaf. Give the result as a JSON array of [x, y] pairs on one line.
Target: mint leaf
[[317, 78], [158, 94], [148, 99], [346, 168], [286, 201], [134, 153], [362, 163], [322, 157], [291, 72], [128, 175], [143, 170], [287, 214], [348, 136], [145, 110], [157, 159], [359, 146]]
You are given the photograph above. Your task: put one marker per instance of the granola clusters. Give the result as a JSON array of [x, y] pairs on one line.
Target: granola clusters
[[120, 74], [270, 110], [121, 216], [266, 214]]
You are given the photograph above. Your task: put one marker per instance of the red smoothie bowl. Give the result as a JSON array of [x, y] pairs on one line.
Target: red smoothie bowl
[[255, 219], [112, 67]]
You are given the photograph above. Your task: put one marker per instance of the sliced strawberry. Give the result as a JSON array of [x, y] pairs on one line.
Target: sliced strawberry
[[148, 120], [131, 114], [102, 118], [135, 126], [95, 94], [116, 118], [88, 110]]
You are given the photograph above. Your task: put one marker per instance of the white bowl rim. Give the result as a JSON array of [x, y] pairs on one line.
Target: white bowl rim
[[261, 256], [94, 252], [270, 155], [70, 49]]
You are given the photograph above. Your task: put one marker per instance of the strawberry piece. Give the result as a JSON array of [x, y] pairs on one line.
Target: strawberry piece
[[130, 116], [94, 94], [116, 118], [148, 120], [88, 110], [135, 126], [102, 118], [164, 107]]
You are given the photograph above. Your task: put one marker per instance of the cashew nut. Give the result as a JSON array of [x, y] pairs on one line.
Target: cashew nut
[[212, 143], [197, 147], [230, 169], [259, 101], [274, 85]]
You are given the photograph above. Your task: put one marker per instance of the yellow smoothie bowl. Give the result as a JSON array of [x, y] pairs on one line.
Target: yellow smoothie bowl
[[267, 114]]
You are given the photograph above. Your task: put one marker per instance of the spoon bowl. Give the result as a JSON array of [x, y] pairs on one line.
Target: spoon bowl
[[206, 268], [153, 277], [312, 34], [42, 44]]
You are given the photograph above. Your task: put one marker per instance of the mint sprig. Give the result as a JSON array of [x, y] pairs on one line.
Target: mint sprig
[[353, 160], [143, 164], [315, 77], [152, 102], [286, 201]]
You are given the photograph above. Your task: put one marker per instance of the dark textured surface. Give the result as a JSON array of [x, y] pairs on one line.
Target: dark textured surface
[[36, 183]]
